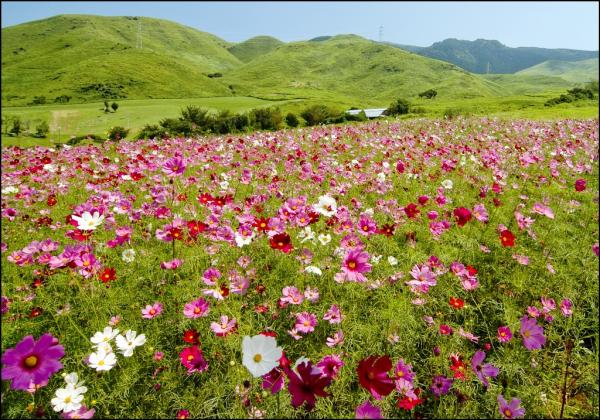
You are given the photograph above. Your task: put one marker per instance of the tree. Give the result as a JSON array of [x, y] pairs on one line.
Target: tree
[[316, 114], [117, 133], [400, 107], [291, 120], [106, 106], [429, 94], [114, 106], [17, 126], [42, 129]]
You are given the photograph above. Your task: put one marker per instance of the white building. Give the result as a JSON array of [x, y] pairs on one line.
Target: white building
[[370, 113]]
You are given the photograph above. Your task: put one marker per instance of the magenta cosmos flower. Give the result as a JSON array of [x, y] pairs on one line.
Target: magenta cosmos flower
[[356, 262], [32, 362], [196, 308], [152, 311], [512, 410], [504, 334], [193, 359], [82, 413], [367, 411], [174, 166], [483, 371], [532, 333]]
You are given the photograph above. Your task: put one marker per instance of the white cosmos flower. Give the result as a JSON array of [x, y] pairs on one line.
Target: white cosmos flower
[[324, 239], [104, 336], [50, 167], [376, 258], [381, 177], [307, 234], [102, 361], [242, 240], [447, 184], [67, 400], [88, 221], [224, 185], [326, 206], [392, 260], [128, 255], [314, 270], [10, 190], [260, 354], [129, 342]]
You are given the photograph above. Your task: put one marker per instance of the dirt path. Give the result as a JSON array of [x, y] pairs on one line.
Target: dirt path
[[63, 119]]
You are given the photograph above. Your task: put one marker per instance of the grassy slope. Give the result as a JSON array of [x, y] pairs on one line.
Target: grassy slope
[[572, 71], [59, 55], [254, 47], [353, 70]]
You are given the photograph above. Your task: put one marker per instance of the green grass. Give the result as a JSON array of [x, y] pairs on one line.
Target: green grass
[[254, 47], [83, 119]]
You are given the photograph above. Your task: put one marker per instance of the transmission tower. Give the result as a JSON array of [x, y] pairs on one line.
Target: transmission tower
[[380, 33], [138, 41]]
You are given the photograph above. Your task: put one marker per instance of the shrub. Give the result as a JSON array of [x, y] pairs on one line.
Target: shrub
[[266, 118], [17, 126], [114, 106], [38, 100], [151, 132], [62, 99], [316, 114], [291, 120], [400, 107], [117, 133]]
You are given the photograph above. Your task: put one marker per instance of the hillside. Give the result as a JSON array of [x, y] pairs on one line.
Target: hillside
[[94, 57], [572, 71], [348, 67], [254, 47], [474, 56]]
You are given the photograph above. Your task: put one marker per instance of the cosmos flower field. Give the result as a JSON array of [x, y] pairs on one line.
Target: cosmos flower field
[[414, 269]]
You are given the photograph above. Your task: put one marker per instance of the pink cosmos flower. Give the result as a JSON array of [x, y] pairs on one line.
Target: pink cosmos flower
[[539, 208], [367, 410], [174, 167], [521, 259], [305, 322], [171, 265], [532, 333], [337, 339], [333, 315], [480, 213], [423, 278], [224, 327], [548, 304], [483, 371], [356, 262], [330, 365], [292, 295], [312, 295], [193, 359], [366, 225], [210, 276], [82, 413], [196, 308], [152, 311], [565, 307]]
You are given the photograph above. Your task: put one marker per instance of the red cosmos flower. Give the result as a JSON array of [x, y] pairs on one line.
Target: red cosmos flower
[[224, 291], [472, 270], [458, 367], [183, 414], [457, 302], [194, 228], [282, 241], [462, 216], [205, 198], [307, 385], [182, 197], [373, 375], [445, 329], [79, 235], [400, 167], [191, 336], [387, 230], [261, 224], [411, 210], [507, 238], [313, 217], [51, 201], [269, 333], [408, 403], [136, 176], [497, 202], [108, 274], [35, 312], [423, 200], [176, 233]]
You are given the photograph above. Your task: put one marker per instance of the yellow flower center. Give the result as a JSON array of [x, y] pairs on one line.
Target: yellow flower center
[[400, 374], [101, 363], [280, 243], [257, 358], [527, 334], [197, 310], [508, 413], [86, 263], [68, 400], [31, 361], [152, 311], [190, 358], [306, 323], [352, 264], [365, 228]]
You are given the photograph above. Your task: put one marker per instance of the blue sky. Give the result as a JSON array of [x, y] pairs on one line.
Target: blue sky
[[527, 24]]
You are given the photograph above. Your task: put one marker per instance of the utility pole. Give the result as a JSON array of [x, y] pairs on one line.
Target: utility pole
[[380, 33]]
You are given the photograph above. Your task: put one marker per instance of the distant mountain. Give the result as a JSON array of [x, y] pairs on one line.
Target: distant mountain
[[254, 47], [490, 56], [348, 66], [572, 71], [94, 57]]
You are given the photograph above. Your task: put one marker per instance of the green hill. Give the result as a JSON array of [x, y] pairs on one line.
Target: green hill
[[490, 56], [95, 57], [254, 47], [349, 68], [572, 71]]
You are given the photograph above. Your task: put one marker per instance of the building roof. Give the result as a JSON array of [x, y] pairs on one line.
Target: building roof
[[370, 113]]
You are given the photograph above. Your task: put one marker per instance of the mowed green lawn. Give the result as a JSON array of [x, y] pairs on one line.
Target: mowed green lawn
[[81, 119]]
